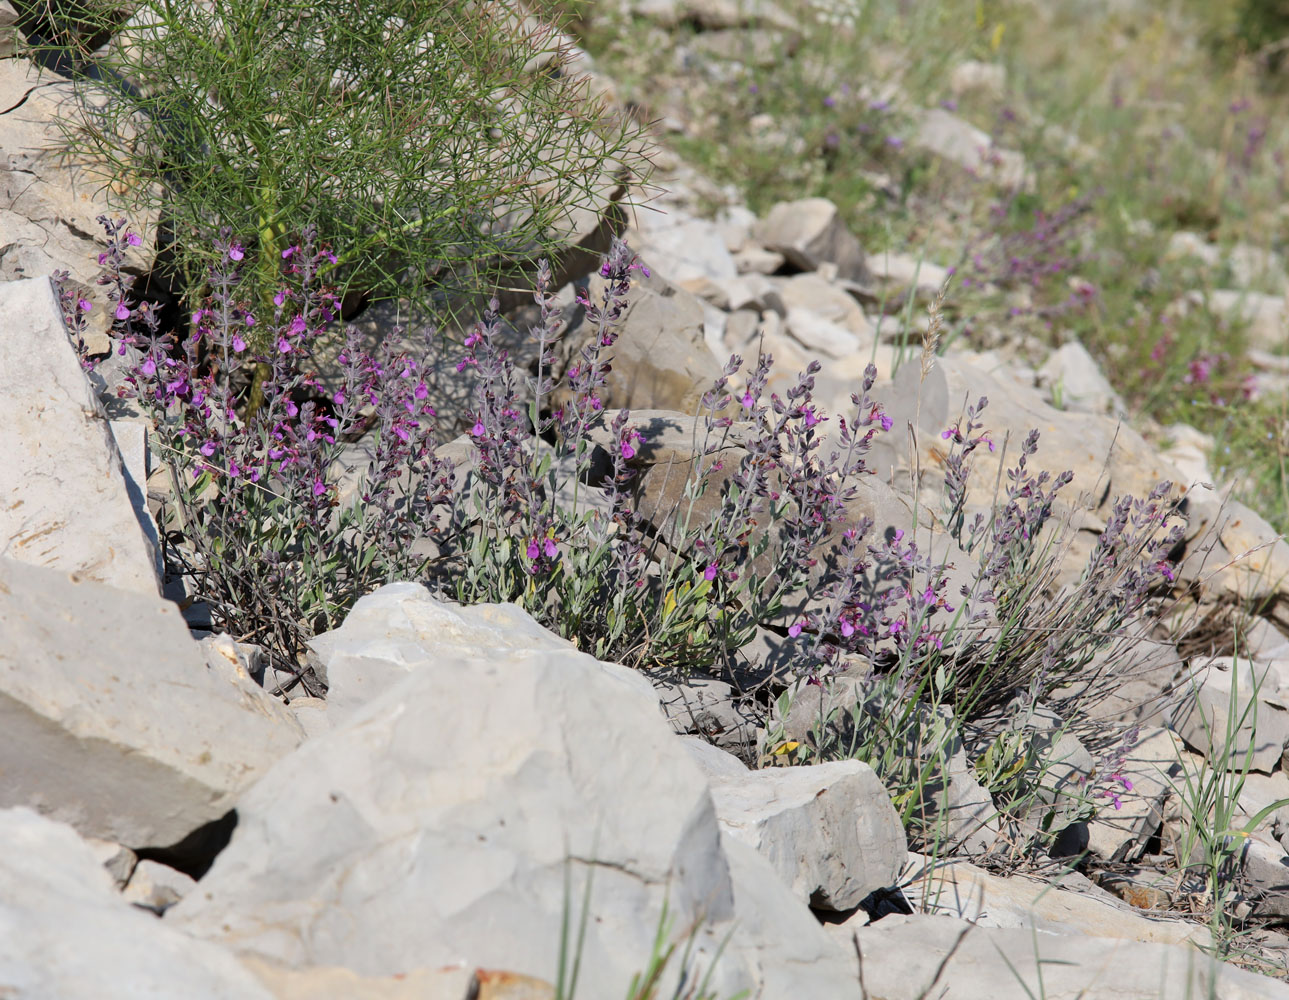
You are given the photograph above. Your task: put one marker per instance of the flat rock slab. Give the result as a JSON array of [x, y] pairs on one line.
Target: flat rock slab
[[64, 499], [903, 956], [1069, 904], [113, 721], [67, 935]]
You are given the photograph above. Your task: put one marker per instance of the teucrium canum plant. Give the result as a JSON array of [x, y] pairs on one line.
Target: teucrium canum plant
[[431, 142]]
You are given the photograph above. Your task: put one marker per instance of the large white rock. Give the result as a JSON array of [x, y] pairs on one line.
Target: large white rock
[[65, 934], [440, 823], [64, 500], [50, 201], [112, 719], [829, 830], [904, 955]]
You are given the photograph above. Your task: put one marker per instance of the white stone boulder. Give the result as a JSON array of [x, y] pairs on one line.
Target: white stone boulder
[[454, 817], [113, 720], [1223, 711], [64, 495], [65, 933], [829, 830]]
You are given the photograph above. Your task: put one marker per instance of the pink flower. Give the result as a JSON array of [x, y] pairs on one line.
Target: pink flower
[[239, 344], [149, 367], [122, 310], [298, 325], [235, 252], [478, 429], [280, 297], [208, 448], [533, 550], [288, 253], [133, 239], [710, 572], [747, 400], [291, 409], [550, 548], [339, 397], [283, 345], [421, 390], [794, 629], [629, 452], [84, 305], [847, 628], [319, 487]]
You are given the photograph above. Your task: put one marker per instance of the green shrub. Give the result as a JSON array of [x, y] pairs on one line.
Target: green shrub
[[434, 143]]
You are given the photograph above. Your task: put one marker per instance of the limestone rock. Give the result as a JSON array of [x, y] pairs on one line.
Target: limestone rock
[[1226, 698], [1068, 904], [50, 201], [113, 720], [1075, 381], [157, 887], [903, 956], [829, 829], [661, 359], [954, 139], [67, 934], [811, 232], [64, 497]]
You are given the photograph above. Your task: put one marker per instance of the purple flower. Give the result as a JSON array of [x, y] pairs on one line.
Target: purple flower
[[280, 297], [288, 253], [794, 629], [208, 448], [283, 345], [627, 451], [747, 400], [235, 252], [709, 573], [133, 239], [550, 548], [84, 305], [122, 310], [533, 550], [478, 430], [319, 487], [239, 344], [149, 366]]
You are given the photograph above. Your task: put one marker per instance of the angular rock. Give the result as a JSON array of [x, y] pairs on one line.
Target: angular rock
[[399, 629], [49, 201], [952, 138], [1108, 459], [1264, 878], [909, 274], [1224, 702], [113, 720], [1074, 379], [1152, 766], [706, 707], [826, 299], [661, 359], [156, 887], [67, 934], [811, 232], [713, 761], [821, 336], [1068, 904], [904, 955], [829, 830], [64, 498]]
